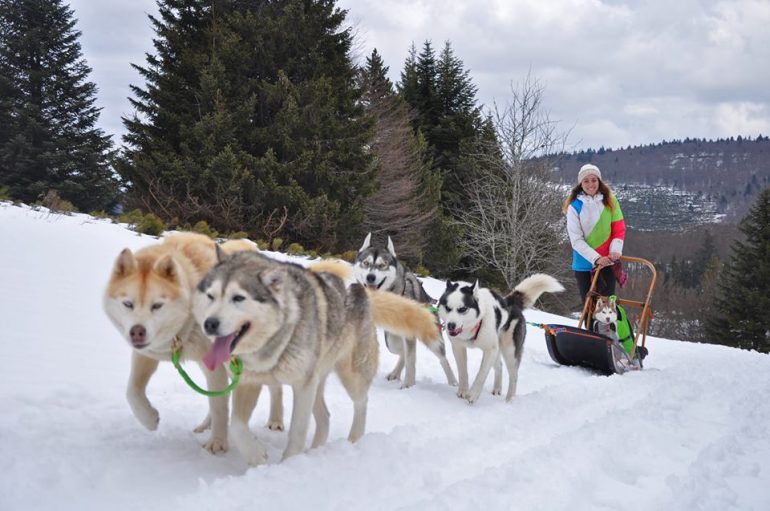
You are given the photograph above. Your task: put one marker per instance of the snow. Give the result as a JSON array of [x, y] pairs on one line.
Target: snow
[[690, 431]]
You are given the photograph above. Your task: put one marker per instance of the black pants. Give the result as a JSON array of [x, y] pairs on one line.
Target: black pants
[[605, 286]]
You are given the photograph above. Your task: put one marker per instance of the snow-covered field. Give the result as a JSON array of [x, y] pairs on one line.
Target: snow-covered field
[[689, 432]]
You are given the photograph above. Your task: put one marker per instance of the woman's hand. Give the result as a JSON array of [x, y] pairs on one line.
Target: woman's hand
[[614, 256], [604, 261]]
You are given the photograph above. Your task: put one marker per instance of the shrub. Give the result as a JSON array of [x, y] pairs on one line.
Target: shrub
[[349, 256], [295, 249], [56, 204], [151, 225], [99, 214], [239, 235], [132, 217], [5, 193], [262, 244], [202, 227], [422, 271], [276, 244]]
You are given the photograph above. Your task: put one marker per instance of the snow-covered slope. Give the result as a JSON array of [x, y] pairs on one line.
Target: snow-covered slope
[[688, 432]]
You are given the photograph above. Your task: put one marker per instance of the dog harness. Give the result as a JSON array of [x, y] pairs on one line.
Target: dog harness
[[236, 368]]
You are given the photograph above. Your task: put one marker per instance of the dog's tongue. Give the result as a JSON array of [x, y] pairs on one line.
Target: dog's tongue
[[219, 352]]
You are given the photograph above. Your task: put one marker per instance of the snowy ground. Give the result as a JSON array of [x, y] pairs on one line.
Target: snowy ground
[[688, 432]]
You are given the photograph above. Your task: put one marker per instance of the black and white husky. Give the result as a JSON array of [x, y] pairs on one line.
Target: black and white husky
[[477, 317], [379, 268]]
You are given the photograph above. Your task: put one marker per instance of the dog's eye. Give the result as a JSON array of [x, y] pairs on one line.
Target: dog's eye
[[365, 264], [156, 306], [382, 266], [238, 298], [462, 310], [210, 297], [128, 304]]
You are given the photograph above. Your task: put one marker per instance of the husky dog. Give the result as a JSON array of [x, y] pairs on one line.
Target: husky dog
[[606, 317], [379, 268], [477, 317], [293, 326], [149, 300]]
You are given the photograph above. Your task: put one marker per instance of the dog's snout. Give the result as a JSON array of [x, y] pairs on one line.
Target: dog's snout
[[370, 278], [451, 326], [211, 326], [138, 335]]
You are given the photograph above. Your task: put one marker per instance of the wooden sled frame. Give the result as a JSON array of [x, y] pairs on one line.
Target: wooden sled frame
[[643, 321]]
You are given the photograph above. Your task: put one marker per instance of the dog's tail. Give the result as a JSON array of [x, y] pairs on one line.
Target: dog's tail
[[238, 245], [403, 316], [334, 266], [529, 290]]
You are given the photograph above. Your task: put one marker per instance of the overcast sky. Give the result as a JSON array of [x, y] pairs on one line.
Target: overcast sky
[[616, 73]]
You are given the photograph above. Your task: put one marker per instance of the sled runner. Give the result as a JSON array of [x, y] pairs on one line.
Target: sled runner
[[581, 346]]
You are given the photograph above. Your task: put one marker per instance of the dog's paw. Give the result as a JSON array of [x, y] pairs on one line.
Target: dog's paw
[[463, 393], [203, 426], [275, 425], [393, 376], [473, 396], [148, 417], [452, 382], [255, 455], [496, 392], [216, 445]]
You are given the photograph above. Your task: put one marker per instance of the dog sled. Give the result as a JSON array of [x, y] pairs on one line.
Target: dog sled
[[581, 346]]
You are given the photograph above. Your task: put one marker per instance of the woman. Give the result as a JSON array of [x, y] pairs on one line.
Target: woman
[[596, 230]]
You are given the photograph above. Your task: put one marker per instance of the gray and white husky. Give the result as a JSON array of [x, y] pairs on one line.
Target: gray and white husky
[[477, 317], [293, 326], [379, 268]]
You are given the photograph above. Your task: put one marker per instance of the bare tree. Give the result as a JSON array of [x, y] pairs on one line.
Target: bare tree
[[513, 223], [401, 206]]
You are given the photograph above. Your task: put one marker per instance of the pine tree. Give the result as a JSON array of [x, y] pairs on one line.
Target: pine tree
[[439, 89], [251, 119], [442, 93], [48, 135], [742, 302], [405, 203]]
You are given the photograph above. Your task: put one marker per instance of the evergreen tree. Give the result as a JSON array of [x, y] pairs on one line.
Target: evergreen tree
[[742, 302], [251, 119], [48, 135], [404, 205], [442, 93], [440, 90]]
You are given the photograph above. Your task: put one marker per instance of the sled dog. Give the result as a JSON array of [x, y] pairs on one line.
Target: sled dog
[[149, 300], [605, 317], [290, 325], [477, 317], [379, 268]]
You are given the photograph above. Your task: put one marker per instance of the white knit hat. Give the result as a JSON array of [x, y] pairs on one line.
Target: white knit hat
[[587, 170]]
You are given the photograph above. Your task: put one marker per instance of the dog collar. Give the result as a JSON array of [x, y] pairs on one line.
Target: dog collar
[[477, 328]]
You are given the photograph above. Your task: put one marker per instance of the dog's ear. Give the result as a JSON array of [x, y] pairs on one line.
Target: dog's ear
[[220, 253], [475, 289], [367, 242], [167, 268], [450, 286], [125, 264], [391, 248], [275, 278]]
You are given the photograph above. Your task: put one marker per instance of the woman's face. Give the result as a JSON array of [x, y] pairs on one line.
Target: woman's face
[[590, 185]]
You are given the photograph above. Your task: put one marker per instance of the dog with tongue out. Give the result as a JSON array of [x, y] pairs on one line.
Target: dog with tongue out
[[293, 326]]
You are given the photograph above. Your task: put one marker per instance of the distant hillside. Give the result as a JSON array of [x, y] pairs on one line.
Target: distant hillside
[[684, 182]]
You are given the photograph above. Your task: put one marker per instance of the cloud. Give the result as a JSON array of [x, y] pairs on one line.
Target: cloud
[[616, 72]]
